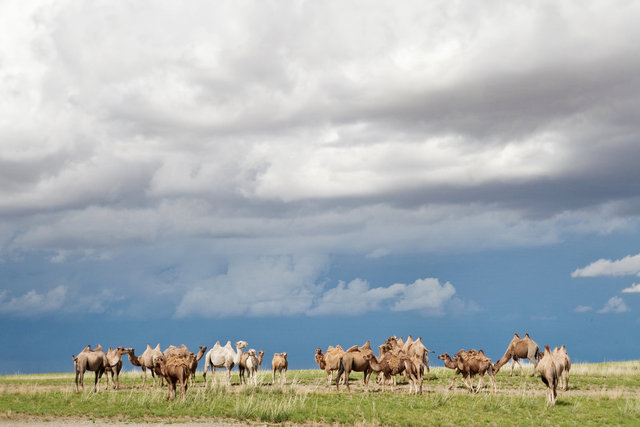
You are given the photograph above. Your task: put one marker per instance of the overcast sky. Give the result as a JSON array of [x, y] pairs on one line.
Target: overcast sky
[[307, 161]]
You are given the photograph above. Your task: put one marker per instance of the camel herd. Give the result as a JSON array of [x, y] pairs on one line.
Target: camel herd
[[177, 365]]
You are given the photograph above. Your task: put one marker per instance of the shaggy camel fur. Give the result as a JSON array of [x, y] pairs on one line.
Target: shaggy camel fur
[[563, 366], [279, 363], [174, 369], [172, 350], [114, 366], [353, 360], [519, 348], [146, 362], [223, 357], [89, 360], [476, 363], [457, 366], [392, 365], [330, 361], [549, 375]]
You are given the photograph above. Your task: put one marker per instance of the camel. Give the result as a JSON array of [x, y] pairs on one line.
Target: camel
[[392, 365], [252, 364], [114, 365], [457, 366], [549, 375], [330, 361], [175, 369], [563, 366], [193, 366], [353, 360], [417, 348], [242, 365], [172, 350], [223, 357], [279, 363], [145, 361], [90, 360], [519, 348], [476, 363]]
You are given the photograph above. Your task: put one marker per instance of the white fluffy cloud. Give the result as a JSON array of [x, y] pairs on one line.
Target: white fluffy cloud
[[285, 286], [583, 309], [614, 305], [33, 304], [635, 288], [629, 265]]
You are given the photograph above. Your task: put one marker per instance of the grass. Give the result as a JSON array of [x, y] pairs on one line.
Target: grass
[[605, 393]]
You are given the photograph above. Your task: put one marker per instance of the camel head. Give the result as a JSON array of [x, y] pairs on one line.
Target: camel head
[[241, 344], [444, 356]]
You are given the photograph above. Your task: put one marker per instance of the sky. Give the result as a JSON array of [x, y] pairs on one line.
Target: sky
[[299, 174]]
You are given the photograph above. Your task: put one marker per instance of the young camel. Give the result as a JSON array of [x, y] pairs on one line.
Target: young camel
[[476, 363], [114, 366], [549, 375], [242, 366], [469, 364], [174, 369], [279, 363], [330, 361], [193, 366], [89, 360], [252, 364], [563, 366], [392, 365]]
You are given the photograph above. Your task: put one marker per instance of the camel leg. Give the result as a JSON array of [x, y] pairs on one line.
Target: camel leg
[[453, 380], [80, 376]]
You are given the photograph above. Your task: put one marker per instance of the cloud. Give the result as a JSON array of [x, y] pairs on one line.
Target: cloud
[[33, 304], [286, 286], [635, 288], [614, 305], [629, 265], [266, 286], [582, 309]]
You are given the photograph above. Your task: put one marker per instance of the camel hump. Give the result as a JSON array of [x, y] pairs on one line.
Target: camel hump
[[353, 349], [157, 347], [339, 348], [367, 345]]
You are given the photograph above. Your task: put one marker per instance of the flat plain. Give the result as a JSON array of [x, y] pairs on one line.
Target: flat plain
[[599, 393]]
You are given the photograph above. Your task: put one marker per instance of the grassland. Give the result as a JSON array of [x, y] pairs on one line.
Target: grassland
[[605, 393]]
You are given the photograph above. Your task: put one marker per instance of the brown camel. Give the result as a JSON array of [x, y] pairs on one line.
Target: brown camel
[[476, 363], [549, 375], [563, 366], [353, 360], [89, 360], [194, 362], [172, 350], [519, 348], [330, 361], [457, 366], [392, 365], [279, 363], [114, 366], [174, 369]]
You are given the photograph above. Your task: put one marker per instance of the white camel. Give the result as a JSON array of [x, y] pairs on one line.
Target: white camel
[[146, 360], [223, 357]]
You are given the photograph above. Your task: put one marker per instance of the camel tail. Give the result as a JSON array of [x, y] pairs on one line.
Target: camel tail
[[340, 372]]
